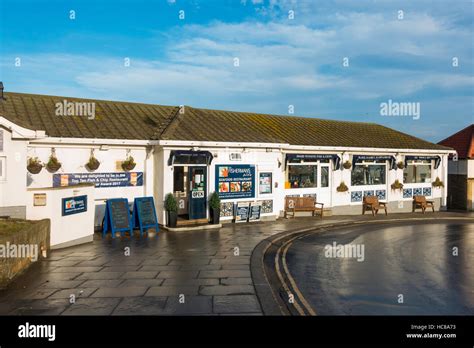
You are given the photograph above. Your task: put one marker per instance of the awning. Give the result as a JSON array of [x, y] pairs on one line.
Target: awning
[[437, 159], [313, 157], [190, 157], [391, 159]]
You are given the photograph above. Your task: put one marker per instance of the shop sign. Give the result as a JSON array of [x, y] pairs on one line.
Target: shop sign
[[235, 181], [437, 159], [74, 205], [391, 159], [242, 212], [100, 180]]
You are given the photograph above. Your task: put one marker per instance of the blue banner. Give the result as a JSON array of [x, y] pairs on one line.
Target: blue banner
[[100, 180], [235, 181], [74, 205]]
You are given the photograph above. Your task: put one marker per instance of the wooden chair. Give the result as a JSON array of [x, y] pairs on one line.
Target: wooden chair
[[294, 204], [420, 202], [372, 203]]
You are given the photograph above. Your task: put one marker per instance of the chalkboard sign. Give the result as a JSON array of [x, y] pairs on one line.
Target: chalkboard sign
[[144, 214], [242, 212], [255, 211], [117, 217]]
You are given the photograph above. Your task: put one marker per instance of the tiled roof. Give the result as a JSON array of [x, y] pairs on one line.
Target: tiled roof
[[113, 120], [121, 120], [228, 126], [462, 142]]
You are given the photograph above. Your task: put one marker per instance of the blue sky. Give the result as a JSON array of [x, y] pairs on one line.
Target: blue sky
[[282, 61]]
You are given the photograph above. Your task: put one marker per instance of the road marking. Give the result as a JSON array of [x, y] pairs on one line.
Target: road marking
[[293, 283]]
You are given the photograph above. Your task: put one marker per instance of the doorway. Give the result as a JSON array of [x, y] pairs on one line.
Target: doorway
[[190, 190]]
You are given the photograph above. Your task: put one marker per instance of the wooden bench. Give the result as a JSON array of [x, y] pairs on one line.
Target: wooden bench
[[372, 203], [294, 204], [420, 202]]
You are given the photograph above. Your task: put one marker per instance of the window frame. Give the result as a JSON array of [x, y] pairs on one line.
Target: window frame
[[318, 164], [3, 166], [370, 163], [417, 163]]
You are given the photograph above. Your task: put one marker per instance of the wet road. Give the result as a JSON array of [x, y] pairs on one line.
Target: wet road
[[415, 261]]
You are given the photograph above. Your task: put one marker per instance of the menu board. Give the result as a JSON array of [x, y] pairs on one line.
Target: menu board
[[242, 211], [117, 216], [144, 214], [255, 211], [235, 181]]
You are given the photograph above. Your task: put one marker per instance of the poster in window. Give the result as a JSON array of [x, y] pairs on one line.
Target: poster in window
[[265, 183]]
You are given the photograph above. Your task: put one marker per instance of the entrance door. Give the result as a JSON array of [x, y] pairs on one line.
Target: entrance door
[[324, 186], [197, 192]]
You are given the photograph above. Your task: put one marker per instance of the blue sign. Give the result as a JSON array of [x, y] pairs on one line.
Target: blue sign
[[144, 214], [235, 181], [100, 180], [74, 205], [117, 217]]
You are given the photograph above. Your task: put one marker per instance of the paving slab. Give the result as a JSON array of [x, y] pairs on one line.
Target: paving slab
[[92, 306], [141, 306]]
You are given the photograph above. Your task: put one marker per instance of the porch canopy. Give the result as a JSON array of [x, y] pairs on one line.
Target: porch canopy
[[308, 157], [190, 157], [437, 159], [391, 159]]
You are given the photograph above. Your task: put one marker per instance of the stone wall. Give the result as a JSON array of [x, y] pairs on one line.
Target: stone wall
[[34, 233]]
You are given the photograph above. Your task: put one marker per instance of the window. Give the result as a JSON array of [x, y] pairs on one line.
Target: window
[[265, 183], [324, 176], [368, 174], [302, 176], [3, 169], [417, 172]]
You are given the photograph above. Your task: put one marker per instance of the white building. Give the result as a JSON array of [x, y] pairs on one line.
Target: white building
[[193, 152]]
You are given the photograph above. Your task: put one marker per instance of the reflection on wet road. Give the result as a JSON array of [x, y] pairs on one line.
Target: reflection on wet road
[[415, 261]]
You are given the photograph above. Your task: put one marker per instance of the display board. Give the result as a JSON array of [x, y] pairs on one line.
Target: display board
[[255, 211], [117, 217], [242, 211], [144, 214], [72, 205], [235, 181]]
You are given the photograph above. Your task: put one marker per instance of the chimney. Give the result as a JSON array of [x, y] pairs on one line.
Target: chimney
[[1, 91]]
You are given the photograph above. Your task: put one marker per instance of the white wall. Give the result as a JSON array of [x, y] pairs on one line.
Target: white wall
[[13, 187], [65, 230]]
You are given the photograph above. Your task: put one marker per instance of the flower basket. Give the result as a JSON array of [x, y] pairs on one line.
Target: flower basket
[[342, 187], [92, 164], [347, 165], [437, 183], [397, 185], [400, 165], [34, 166], [53, 164], [128, 164]]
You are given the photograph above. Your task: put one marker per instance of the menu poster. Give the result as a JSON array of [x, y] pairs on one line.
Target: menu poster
[[255, 211], [265, 183], [242, 212]]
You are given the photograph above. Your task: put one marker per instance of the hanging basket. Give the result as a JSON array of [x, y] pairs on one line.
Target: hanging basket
[[34, 166], [53, 164], [437, 183], [400, 165], [93, 164], [342, 187], [347, 165], [128, 164], [397, 185]]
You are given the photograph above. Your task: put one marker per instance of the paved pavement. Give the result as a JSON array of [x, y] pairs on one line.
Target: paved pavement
[[152, 279]]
